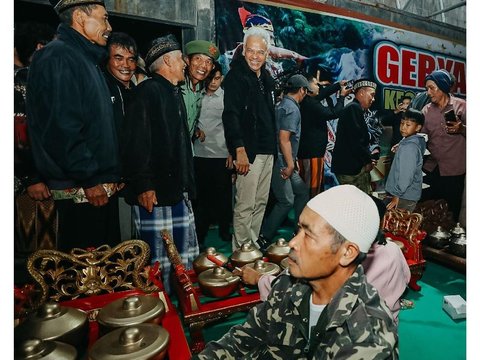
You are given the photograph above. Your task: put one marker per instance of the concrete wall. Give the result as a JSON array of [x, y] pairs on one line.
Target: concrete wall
[[197, 17]]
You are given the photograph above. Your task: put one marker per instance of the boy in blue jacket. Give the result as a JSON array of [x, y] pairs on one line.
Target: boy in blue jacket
[[405, 179]]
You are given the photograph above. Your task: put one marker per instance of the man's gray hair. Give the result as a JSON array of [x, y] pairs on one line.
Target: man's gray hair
[[256, 31], [338, 240], [157, 64]]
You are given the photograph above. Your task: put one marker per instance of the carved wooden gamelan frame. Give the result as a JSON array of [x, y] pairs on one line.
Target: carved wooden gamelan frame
[[403, 227], [196, 314], [80, 273]]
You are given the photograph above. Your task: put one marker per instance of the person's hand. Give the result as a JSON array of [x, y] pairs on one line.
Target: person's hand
[[96, 195], [286, 172], [200, 135], [453, 128], [369, 167], [241, 164], [343, 89], [394, 148], [393, 203], [148, 199], [248, 275], [400, 108], [38, 191], [229, 162]]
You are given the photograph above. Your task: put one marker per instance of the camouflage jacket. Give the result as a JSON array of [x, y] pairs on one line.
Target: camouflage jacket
[[358, 326]]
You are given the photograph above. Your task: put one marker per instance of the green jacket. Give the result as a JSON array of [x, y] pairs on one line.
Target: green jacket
[[193, 103], [358, 326]]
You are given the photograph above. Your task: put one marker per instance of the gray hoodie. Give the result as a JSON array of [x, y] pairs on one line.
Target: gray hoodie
[[405, 176]]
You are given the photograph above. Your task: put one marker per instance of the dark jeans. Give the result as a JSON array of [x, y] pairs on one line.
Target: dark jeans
[[449, 188], [291, 193], [84, 225], [214, 196]]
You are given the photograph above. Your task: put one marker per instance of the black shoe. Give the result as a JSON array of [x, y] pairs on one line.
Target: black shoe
[[263, 243], [225, 235]]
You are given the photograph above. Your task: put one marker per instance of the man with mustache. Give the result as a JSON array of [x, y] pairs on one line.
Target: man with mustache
[[200, 55], [446, 166], [324, 308], [72, 128], [351, 158]]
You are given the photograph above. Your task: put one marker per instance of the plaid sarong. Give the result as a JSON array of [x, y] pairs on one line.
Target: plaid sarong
[[178, 220]]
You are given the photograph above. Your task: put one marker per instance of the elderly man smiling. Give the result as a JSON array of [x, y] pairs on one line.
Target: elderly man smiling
[[200, 55], [249, 122]]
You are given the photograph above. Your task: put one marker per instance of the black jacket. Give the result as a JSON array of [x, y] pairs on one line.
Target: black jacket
[[314, 135], [351, 151], [24, 168], [70, 114], [120, 96], [155, 148], [244, 105]]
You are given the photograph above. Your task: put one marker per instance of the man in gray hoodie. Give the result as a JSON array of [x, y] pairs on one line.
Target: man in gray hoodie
[[405, 179]]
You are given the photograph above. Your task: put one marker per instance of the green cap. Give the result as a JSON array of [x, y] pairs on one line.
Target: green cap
[[202, 47]]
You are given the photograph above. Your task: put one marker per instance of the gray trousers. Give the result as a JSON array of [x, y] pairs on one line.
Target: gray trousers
[[290, 193]]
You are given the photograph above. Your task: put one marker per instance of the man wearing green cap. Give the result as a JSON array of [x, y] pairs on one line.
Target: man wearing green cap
[[200, 55]]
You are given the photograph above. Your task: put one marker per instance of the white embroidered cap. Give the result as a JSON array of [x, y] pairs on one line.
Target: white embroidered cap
[[351, 212]]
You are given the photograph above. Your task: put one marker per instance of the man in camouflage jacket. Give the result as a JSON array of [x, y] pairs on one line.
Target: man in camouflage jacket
[[354, 323]]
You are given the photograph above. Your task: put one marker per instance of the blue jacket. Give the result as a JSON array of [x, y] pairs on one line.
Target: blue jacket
[[70, 114], [405, 176]]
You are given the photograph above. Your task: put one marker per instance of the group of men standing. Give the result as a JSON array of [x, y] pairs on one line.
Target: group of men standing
[[99, 148], [96, 136]]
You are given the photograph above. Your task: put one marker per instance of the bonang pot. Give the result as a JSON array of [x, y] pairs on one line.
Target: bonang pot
[[458, 246], [278, 251], [139, 342], [55, 322], [439, 238], [36, 349], [218, 282], [130, 311], [265, 268], [201, 262], [457, 231], [246, 254]]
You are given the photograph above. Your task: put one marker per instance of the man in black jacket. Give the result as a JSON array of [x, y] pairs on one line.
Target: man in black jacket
[[119, 71], [249, 122], [314, 135], [72, 129], [351, 158], [157, 158]]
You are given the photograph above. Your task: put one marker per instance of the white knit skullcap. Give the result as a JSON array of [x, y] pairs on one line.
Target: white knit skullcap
[[351, 212]]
